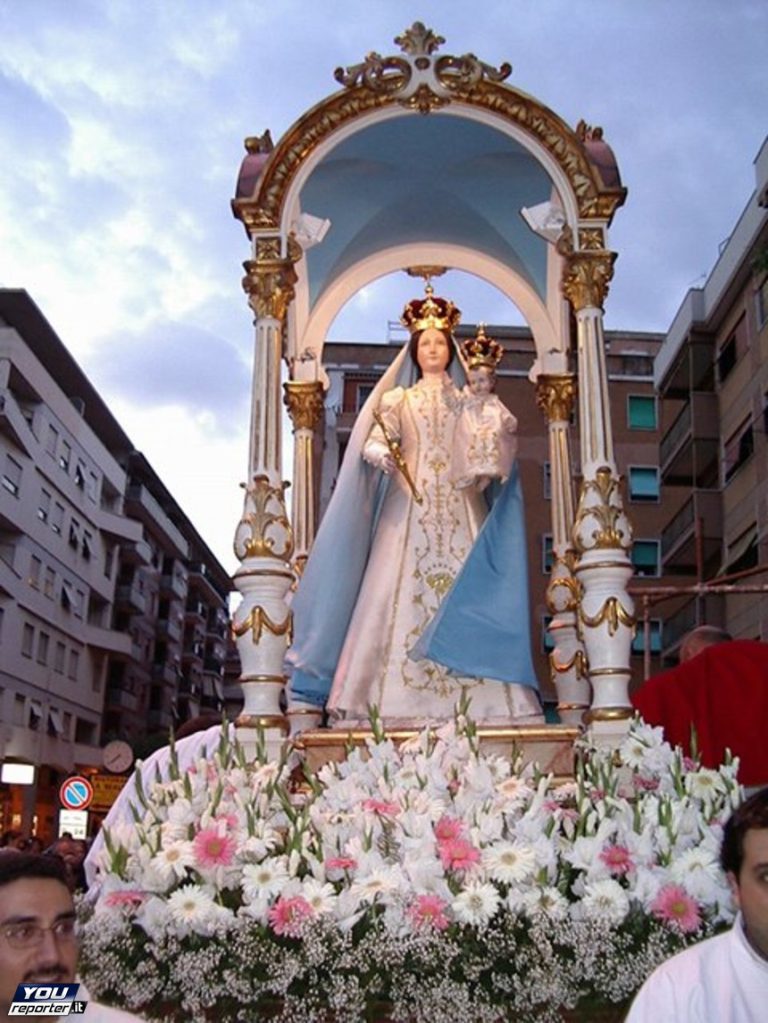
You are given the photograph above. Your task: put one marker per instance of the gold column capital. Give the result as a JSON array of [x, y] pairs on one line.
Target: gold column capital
[[586, 277], [270, 278], [304, 401], [555, 395]]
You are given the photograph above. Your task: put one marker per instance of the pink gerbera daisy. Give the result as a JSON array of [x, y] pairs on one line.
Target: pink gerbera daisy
[[287, 916], [428, 912], [448, 828], [675, 907], [617, 859], [213, 849], [458, 854]]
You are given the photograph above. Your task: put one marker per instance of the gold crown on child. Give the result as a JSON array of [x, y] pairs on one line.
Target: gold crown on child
[[481, 350], [432, 311]]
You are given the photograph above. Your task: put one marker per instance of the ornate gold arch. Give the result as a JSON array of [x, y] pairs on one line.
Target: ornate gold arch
[[421, 82]]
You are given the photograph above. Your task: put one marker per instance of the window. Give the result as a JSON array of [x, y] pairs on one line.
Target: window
[[761, 304], [74, 664], [43, 642], [738, 449], [641, 412], [57, 519], [27, 640], [67, 595], [732, 350], [79, 603], [636, 365], [66, 456], [547, 554], [362, 394], [53, 440], [86, 545], [35, 715], [74, 534], [35, 564], [547, 474], [726, 359], [643, 483], [55, 722], [93, 486], [547, 639], [49, 581], [80, 475], [44, 507], [638, 643], [58, 658], [646, 557], [12, 476]]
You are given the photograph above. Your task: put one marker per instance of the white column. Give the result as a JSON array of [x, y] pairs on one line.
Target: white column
[[555, 395], [264, 538], [304, 400], [602, 534]]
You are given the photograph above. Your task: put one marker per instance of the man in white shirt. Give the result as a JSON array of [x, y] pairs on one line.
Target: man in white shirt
[[38, 940], [723, 979]]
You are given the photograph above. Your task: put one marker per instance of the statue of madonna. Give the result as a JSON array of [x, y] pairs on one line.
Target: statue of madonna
[[408, 601]]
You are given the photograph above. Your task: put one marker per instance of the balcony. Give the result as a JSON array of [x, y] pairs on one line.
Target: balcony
[[699, 522], [689, 448], [138, 553], [167, 673], [120, 699], [174, 584], [160, 719], [108, 639], [170, 629], [140, 503], [15, 426], [128, 597], [201, 580], [119, 526]]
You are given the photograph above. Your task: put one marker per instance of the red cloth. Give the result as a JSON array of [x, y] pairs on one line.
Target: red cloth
[[723, 692]]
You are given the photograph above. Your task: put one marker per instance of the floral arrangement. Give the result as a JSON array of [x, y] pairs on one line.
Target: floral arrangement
[[428, 881]]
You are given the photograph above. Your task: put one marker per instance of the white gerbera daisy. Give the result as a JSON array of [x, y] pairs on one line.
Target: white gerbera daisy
[[192, 909], [605, 900], [172, 860], [509, 862], [548, 902], [476, 904], [262, 880]]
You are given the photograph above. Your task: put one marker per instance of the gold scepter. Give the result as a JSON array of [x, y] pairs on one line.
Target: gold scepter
[[397, 454]]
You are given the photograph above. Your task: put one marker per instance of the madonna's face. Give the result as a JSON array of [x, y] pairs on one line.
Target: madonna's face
[[432, 353]]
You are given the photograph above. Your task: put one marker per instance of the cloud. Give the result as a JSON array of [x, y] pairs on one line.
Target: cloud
[[176, 364]]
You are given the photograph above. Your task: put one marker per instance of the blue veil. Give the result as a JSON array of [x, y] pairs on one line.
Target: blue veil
[[327, 593]]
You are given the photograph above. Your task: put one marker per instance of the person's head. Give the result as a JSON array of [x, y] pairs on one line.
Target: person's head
[[38, 944], [431, 350], [700, 638], [70, 850], [482, 380], [744, 858], [34, 845]]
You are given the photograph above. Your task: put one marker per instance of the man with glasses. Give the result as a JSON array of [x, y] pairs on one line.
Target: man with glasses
[[38, 941]]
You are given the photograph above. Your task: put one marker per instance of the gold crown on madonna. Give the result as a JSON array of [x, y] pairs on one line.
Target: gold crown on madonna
[[481, 350], [432, 311]]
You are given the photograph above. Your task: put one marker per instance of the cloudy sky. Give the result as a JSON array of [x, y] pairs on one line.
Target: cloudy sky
[[121, 134]]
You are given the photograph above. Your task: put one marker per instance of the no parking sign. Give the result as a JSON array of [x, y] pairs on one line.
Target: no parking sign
[[76, 793]]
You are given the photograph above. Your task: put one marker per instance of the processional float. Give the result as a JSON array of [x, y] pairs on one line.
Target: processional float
[[533, 200]]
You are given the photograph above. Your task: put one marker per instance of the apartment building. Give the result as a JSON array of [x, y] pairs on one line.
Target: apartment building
[[353, 370], [101, 577], [712, 375]]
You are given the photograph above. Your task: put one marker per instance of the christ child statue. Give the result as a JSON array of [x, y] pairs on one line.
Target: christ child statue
[[486, 432]]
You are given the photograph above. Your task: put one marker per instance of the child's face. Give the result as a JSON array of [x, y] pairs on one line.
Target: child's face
[[481, 380]]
